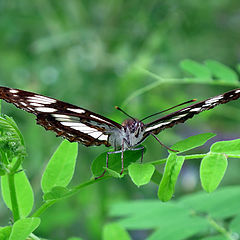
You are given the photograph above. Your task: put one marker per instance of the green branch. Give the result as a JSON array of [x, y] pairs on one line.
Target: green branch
[[219, 228], [44, 207], [162, 80], [188, 157], [77, 188], [13, 197], [72, 191]]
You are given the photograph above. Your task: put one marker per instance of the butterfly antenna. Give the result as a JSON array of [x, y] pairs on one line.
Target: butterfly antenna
[[193, 100], [118, 108]]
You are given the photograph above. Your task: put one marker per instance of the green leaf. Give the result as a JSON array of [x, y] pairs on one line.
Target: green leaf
[[221, 71], [5, 232], [141, 173], [196, 69], [181, 218], [227, 147], [9, 125], [234, 226], [124, 209], [152, 214], [156, 177], [172, 168], [212, 170], [114, 161], [115, 231], [223, 203], [60, 168], [192, 142], [11, 140], [113, 173], [24, 193], [56, 193], [182, 230], [23, 227], [15, 127]]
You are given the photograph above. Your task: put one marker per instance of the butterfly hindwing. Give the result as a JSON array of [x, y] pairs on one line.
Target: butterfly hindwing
[[67, 120], [184, 114]]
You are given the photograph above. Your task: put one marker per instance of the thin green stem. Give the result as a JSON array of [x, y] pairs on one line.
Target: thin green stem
[[72, 191], [77, 188], [189, 80], [141, 91], [187, 157], [44, 207], [157, 162], [13, 197], [233, 156], [193, 156], [161, 80], [34, 237], [16, 165], [219, 228]]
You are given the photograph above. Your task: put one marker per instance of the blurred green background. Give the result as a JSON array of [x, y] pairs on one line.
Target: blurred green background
[[98, 54]]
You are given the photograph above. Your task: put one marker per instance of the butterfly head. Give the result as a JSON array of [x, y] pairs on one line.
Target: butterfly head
[[133, 126]]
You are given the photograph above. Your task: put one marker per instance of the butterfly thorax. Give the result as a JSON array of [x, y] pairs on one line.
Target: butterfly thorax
[[130, 135]]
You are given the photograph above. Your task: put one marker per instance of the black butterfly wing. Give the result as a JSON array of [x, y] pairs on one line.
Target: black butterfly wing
[[69, 121], [184, 114]]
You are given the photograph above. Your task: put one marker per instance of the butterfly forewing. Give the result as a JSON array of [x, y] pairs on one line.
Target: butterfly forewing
[[79, 124], [67, 120], [186, 113]]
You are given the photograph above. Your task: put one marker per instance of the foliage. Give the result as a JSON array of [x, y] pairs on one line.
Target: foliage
[[18, 195], [97, 54], [199, 215]]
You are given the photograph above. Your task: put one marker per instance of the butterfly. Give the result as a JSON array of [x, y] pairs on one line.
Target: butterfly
[[78, 124]]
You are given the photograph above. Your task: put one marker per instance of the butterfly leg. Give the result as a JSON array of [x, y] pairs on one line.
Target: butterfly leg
[[122, 160], [107, 158], [101, 175], [163, 144]]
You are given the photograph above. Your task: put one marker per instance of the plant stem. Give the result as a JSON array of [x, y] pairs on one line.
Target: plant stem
[[13, 196], [219, 228], [193, 156], [44, 207], [72, 191], [162, 80], [233, 156], [32, 236], [87, 183], [187, 157]]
